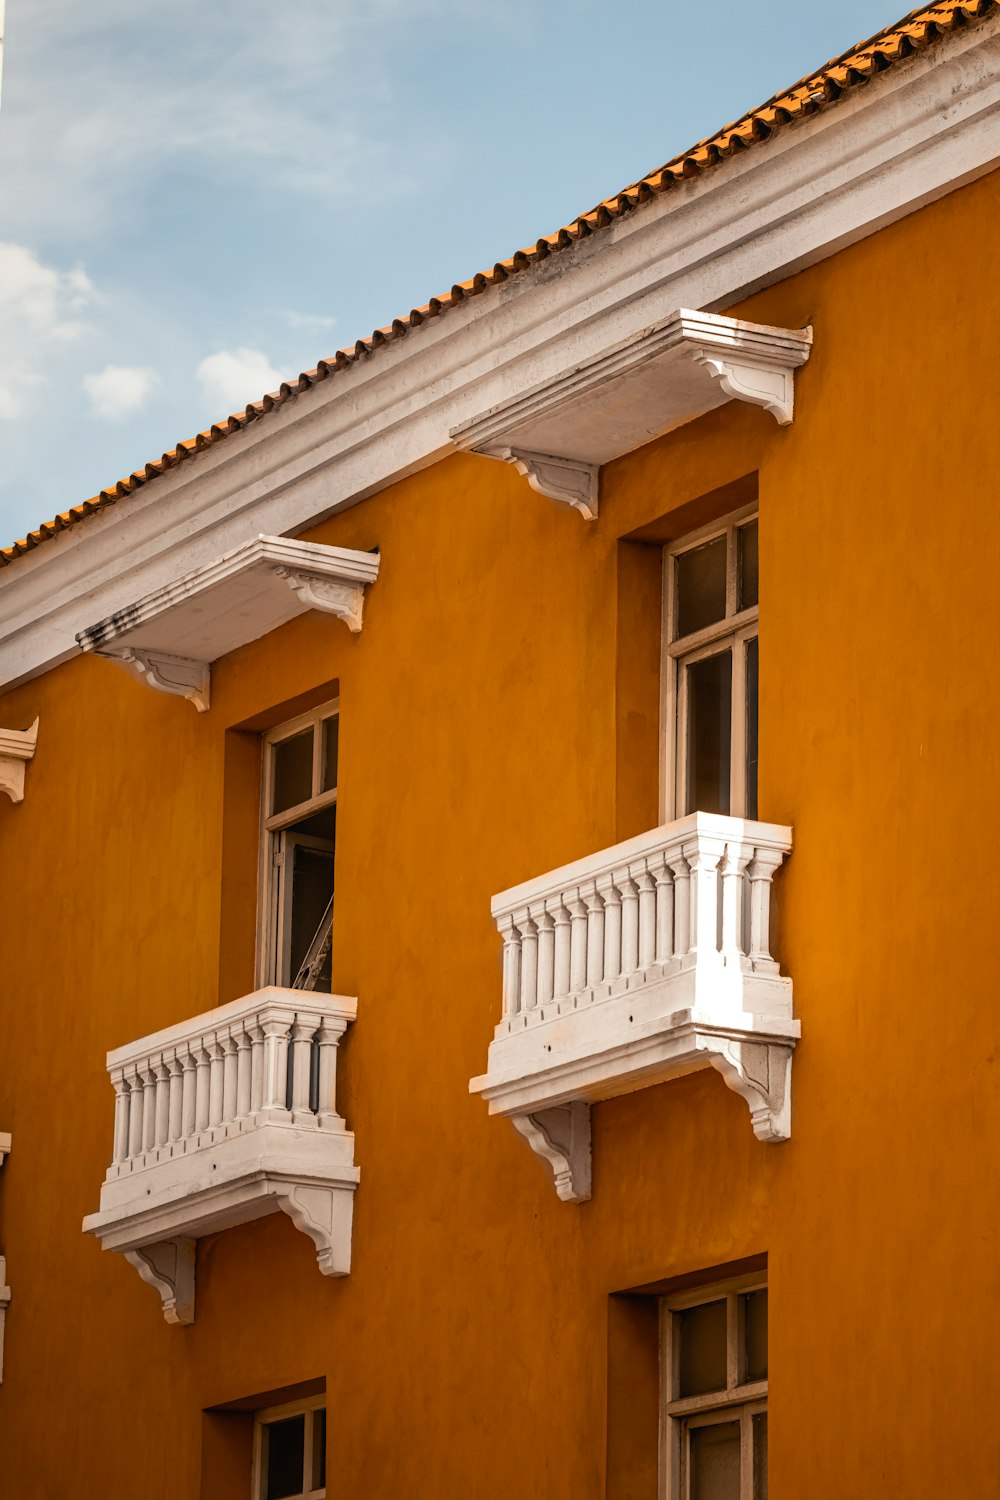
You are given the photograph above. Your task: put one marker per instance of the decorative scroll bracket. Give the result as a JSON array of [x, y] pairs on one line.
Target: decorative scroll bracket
[[325, 1214], [178, 675], [757, 384], [17, 746], [168, 1267], [561, 1136], [345, 600], [569, 481], [761, 1073]]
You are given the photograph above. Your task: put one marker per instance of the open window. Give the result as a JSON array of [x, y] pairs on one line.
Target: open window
[[290, 1451], [298, 842], [710, 668]]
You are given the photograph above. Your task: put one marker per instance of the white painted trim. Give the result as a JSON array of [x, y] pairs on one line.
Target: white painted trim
[[924, 128], [17, 747]]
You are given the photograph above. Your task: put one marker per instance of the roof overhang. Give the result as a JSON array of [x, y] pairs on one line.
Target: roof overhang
[[560, 433], [172, 635]]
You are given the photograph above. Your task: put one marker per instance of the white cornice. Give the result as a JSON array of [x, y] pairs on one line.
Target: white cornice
[[927, 126], [172, 635]]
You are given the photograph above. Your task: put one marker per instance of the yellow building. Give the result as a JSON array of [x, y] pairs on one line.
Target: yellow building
[[624, 1054]]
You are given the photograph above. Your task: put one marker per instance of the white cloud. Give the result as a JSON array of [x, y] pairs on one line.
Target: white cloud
[[307, 320], [119, 390], [39, 313], [234, 377]]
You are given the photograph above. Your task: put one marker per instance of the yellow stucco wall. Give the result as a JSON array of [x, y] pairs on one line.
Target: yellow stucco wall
[[481, 744]]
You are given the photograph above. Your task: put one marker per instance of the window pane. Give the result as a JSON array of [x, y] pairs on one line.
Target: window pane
[[760, 1456], [292, 771], [285, 1443], [702, 1332], [331, 739], [746, 541], [709, 730], [701, 586], [715, 1462], [319, 1449], [755, 1334], [751, 811], [312, 887]]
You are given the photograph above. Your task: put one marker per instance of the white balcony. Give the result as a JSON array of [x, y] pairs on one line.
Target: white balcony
[[638, 964], [226, 1118]]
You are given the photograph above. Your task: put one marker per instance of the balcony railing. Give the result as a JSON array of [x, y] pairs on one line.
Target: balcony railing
[[225, 1118], [635, 964]]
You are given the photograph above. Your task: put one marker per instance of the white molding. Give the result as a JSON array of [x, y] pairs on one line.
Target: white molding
[[641, 963], [172, 635], [205, 1137], [924, 128], [17, 747], [560, 433]]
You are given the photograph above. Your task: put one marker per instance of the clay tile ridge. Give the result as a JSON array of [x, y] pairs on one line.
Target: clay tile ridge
[[818, 90]]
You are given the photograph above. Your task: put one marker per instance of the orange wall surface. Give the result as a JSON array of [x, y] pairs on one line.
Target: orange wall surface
[[495, 722]]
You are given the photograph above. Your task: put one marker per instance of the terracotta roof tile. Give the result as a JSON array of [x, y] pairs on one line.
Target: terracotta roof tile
[[819, 89]]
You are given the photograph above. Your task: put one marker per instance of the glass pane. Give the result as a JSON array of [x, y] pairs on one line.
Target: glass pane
[[312, 887], [702, 1332], [331, 739], [746, 542], [292, 771], [715, 1462], [319, 1449], [760, 1456], [755, 1334], [751, 662], [709, 733], [285, 1443], [701, 586]]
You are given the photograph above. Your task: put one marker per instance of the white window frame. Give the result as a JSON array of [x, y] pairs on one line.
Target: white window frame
[[733, 631], [273, 908], [262, 1420], [740, 1401]]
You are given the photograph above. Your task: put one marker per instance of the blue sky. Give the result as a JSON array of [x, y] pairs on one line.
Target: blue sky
[[199, 198]]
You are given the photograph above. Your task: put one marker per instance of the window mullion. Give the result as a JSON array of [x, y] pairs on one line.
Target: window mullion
[[746, 1455], [738, 733]]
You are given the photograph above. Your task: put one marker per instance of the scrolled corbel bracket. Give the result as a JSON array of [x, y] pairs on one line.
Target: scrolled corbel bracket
[[561, 1136], [761, 376], [168, 1267], [346, 600], [761, 1073], [569, 481], [325, 1214], [17, 747], [181, 676]]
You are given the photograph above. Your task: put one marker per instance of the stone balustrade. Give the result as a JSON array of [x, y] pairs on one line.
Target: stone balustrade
[[632, 965], [224, 1118]]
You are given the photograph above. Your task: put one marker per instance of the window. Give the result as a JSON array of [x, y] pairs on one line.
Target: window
[[298, 834], [710, 670], [289, 1452], [714, 1379]]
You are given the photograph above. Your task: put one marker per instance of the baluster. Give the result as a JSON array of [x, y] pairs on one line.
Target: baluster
[[256, 1032], [202, 1085], [647, 918], [595, 935], [682, 903], [120, 1153], [664, 911], [230, 1066], [760, 870], [175, 1111], [563, 942], [703, 860], [148, 1105], [275, 1028], [529, 961], [511, 965], [304, 1028], [546, 956], [135, 1102], [330, 1032], [612, 925], [731, 870], [578, 945], [216, 1079], [630, 923], [162, 1074], [242, 1072], [189, 1094]]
